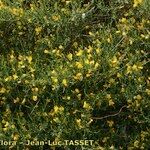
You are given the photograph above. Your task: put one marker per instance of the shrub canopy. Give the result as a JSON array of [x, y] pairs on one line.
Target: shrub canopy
[[75, 70]]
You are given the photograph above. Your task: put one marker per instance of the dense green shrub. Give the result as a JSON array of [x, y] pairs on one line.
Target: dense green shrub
[[75, 70]]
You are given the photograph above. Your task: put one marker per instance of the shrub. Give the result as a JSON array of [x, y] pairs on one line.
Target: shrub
[[75, 70]]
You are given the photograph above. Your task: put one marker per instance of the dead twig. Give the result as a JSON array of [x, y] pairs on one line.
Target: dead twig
[[111, 115]]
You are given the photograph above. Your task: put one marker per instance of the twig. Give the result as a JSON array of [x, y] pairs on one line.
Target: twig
[[118, 43], [34, 107], [111, 115]]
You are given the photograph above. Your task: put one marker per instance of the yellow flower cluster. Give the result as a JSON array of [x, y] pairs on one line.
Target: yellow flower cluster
[[56, 110], [114, 62], [110, 100], [137, 2], [38, 30], [86, 105], [17, 12], [133, 68], [56, 17], [1, 4], [79, 123]]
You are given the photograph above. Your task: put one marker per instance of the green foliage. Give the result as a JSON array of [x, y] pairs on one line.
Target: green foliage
[[75, 70]]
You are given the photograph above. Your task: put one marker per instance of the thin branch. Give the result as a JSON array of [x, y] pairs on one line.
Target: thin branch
[[34, 107], [111, 115]]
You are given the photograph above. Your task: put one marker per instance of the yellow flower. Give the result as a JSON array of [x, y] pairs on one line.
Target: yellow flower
[[138, 97], [86, 105], [78, 76], [1, 4], [137, 2], [92, 34], [61, 47], [124, 33], [89, 56], [58, 53], [79, 96], [31, 69], [35, 89], [5, 129], [129, 69], [87, 61], [134, 68], [75, 44], [147, 91], [79, 53], [140, 66], [46, 51], [54, 79], [16, 100], [30, 20], [122, 89], [79, 65], [68, 97], [34, 97], [12, 57], [64, 82], [78, 122], [58, 109], [110, 123], [114, 61], [88, 75], [108, 40], [17, 11], [96, 65], [38, 30], [15, 136], [2, 90], [32, 6], [15, 76], [77, 90], [89, 50], [119, 75], [23, 101], [67, 2], [57, 120], [92, 62], [136, 144], [108, 96], [111, 103], [143, 135], [124, 20], [8, 78], [69, 56], [112, 147], [56, 17], [61, 109], [54, 72], [98, 50], [29, 58], [118, 31], [6, 124], [111, 80], [13, 126]]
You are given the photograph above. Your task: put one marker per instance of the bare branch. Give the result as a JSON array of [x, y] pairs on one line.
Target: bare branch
[[111, 115]]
